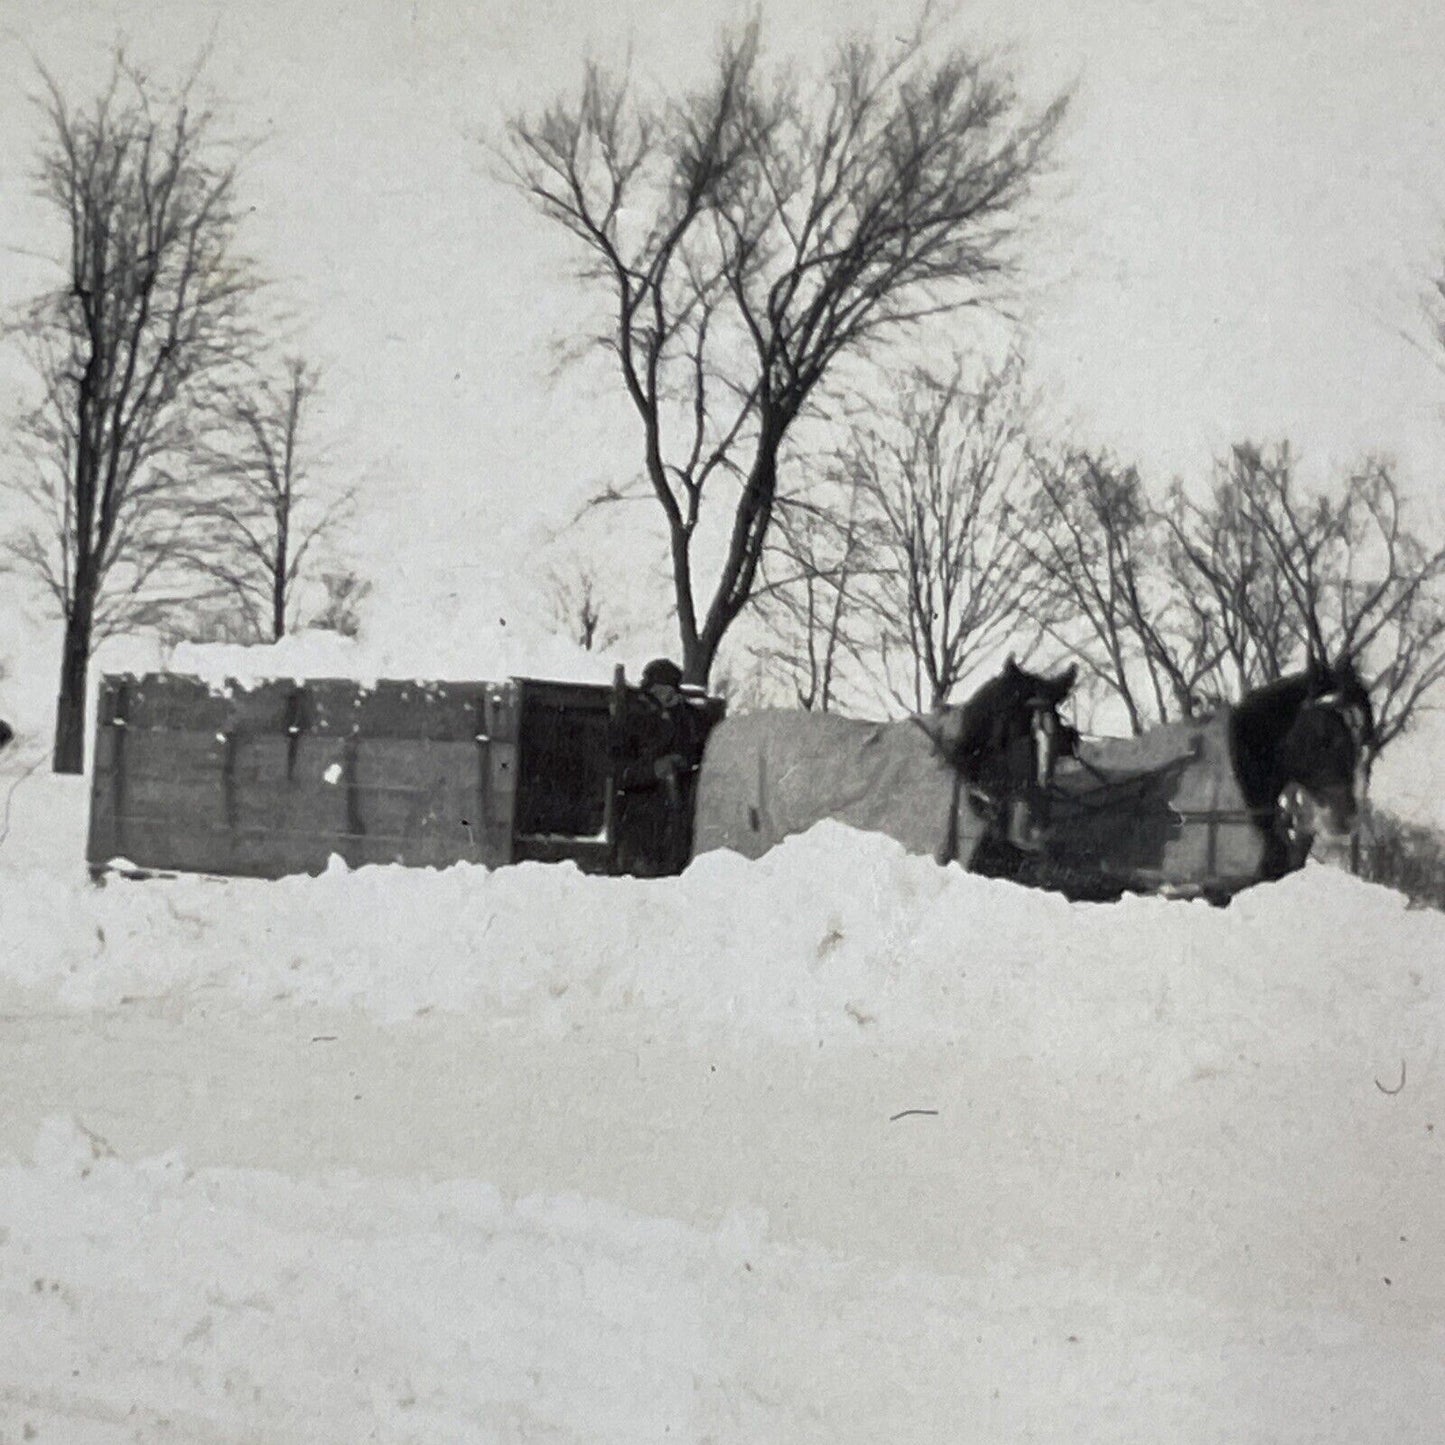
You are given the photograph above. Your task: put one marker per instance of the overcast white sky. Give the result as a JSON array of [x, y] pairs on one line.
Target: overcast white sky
[[1251, 199]]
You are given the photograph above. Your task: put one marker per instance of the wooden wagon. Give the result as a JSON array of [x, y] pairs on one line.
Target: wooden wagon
[[276, 778]]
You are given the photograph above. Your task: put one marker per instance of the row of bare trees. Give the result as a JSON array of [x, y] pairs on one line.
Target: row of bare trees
[[750, 245], [1200, 598], [750, 248], [943, 530], [166, 462], [905, 558]]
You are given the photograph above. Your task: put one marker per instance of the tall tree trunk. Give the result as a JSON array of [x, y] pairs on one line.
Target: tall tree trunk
[[697, 660], [278, 607], [278, 581], [745, 549], [69, 755]]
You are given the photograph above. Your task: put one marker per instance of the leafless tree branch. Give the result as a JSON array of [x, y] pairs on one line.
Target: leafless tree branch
[[150, 307], [745, 237]]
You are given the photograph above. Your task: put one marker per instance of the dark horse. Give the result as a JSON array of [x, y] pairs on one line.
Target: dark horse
[[1301, 748], [958, 784], [1003, 745]]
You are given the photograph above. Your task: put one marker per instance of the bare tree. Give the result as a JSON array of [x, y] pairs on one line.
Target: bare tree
[[341, 612], [576, 607], [743, 239], [1263, 576], [147, 311], [1233, 600], [808, 594], [1090, 529], [260, 513], [945, 478], [1360, 582]]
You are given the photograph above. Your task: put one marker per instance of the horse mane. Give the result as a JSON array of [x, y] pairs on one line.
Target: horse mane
[[1286, 695], [1257, 723], [1283, 695], [978, 725]]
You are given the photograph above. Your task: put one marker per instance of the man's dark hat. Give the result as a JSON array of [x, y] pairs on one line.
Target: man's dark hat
[[661, 672]]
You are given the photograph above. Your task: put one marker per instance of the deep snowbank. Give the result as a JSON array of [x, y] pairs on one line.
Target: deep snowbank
[[835, 935], [615, 1161]]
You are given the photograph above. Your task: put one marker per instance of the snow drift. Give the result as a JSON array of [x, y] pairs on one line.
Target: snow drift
[[835, 934], [837, 1145]]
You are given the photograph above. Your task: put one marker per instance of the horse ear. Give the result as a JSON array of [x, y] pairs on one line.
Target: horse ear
[[1010, 668], [1317, 674], [1060, 687]]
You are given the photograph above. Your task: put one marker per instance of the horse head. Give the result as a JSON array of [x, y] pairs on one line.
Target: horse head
[[1326, 752], [1303, 747], [1005, 742]]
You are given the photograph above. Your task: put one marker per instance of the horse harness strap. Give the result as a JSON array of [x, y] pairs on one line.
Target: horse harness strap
[[1225, 815], [986, 802], [950, 846], [1124, 780]]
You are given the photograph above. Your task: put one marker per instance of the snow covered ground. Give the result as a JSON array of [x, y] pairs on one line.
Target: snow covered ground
[[835, 1146]]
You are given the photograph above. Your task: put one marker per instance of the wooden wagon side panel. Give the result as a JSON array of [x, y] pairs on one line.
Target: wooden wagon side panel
[[159, 797], [274, 779]]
